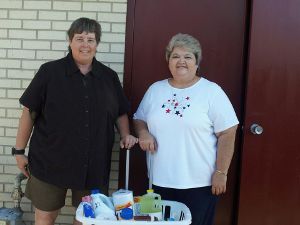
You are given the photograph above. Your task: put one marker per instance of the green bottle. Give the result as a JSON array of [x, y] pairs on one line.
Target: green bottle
[[150, 202]]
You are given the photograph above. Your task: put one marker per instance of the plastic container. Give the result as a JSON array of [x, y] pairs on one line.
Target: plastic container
[[87, 207], [179, 212], [123, 199], [150, 203], [102, 206]]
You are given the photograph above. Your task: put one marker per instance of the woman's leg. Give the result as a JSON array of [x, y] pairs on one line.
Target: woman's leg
[[44, 217], [165, 193], [47, 199], [201, 202]]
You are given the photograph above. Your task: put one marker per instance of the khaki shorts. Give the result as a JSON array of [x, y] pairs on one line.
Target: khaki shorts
[[48, 197]]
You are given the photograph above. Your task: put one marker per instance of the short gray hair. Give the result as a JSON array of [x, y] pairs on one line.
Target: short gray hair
[[184, 41], [84, 24]]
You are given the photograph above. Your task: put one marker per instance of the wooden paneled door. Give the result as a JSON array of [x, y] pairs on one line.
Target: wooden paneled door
[[270, 177], [220, 26]]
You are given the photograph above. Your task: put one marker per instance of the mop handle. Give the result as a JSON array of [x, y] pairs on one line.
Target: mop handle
[[150, 159], [127, 168]]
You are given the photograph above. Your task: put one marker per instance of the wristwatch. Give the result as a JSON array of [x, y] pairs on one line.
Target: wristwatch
[[15, 151]]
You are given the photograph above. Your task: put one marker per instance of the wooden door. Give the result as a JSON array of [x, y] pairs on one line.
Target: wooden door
[[220, 27], [270, 178]]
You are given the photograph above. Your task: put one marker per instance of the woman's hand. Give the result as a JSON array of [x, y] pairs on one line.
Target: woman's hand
[[22, 162], [218, 183], [147, 141], [128, 141]]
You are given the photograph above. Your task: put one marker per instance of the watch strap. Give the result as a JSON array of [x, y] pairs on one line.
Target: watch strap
[[15, 151]]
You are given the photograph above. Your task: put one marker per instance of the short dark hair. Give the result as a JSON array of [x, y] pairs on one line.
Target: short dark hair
[[84, 24]]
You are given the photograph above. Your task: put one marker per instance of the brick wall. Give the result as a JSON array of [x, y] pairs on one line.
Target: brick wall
[[31, 33]]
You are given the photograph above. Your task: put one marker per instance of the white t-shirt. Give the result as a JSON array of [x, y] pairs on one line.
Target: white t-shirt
[[184, 123]]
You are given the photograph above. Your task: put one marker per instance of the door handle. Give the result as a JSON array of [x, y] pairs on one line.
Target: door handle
[[256, 129]]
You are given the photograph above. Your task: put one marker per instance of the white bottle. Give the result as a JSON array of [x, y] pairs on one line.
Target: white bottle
[[103, 206], [122, 199]]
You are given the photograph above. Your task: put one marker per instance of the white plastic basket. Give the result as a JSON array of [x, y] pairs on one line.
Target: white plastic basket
[[179, 211]]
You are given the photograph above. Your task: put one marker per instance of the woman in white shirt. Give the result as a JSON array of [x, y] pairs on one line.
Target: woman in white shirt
[[189, 126]]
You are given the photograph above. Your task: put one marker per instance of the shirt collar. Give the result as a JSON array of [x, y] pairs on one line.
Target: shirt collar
[[71, 65], [72, 68]]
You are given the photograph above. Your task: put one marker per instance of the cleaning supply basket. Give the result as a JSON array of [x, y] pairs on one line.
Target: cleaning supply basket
[[178, 211], [173, 212]]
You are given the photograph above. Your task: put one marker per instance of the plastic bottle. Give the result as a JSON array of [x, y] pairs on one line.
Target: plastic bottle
[[88, 210], [102, 206], [123, 199], [150, 202]]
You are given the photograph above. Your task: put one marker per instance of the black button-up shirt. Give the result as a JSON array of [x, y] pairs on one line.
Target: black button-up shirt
[[73, 134]]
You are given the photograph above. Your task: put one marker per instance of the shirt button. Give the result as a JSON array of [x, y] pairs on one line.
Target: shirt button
[[86, 111], [87, 125], [86, 96]]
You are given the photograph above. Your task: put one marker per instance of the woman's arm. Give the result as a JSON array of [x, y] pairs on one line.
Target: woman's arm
[[127, 140], [23, 135], [146, 140], [225, 149]]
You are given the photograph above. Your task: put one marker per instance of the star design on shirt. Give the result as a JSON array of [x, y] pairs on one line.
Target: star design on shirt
[[176, 105]]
